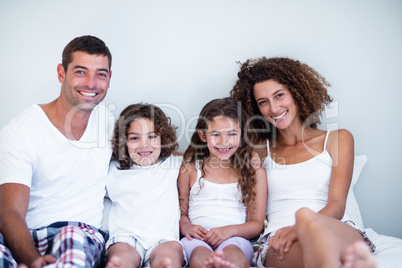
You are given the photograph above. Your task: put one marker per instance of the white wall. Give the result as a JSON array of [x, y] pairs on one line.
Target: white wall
[[184, 53]]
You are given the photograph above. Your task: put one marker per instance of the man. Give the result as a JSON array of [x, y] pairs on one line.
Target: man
[[53, 164]]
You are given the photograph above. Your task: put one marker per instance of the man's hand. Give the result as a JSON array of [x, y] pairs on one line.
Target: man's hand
[[42, 261]]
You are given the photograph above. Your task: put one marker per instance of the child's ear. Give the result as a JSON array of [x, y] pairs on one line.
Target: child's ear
[[201, 134]]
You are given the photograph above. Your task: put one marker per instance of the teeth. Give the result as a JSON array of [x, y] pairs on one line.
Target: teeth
[[145, 153], [280, 116], [224, 150], [88, 94]]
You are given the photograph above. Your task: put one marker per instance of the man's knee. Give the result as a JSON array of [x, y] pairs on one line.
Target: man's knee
[[72, 234]]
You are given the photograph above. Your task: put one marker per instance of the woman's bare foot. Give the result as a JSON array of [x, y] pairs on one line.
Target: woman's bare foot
[[216, 261], [358, 255]]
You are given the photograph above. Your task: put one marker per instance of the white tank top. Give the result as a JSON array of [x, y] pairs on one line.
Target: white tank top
[[213, 205], [291, 187]]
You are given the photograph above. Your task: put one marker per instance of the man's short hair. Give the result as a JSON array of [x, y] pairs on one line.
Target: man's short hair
[[87, 43]]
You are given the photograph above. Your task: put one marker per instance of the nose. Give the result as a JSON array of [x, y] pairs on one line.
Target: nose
[[223, 139], [90, 81], [144, 141], [274, 106]]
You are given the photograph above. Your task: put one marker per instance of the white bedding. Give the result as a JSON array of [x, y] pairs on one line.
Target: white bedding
[[388, 249]]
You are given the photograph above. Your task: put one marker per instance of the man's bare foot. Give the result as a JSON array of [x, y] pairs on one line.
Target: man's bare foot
[[216, 261], [358, 255], [117, 262]]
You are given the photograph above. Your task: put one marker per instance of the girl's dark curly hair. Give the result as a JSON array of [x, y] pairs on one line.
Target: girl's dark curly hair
[[307, 86], [162, 125], [242, 159]]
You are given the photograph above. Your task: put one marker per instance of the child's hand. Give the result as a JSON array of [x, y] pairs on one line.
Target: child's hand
[[196, 231], [282, 241], [216, 236]]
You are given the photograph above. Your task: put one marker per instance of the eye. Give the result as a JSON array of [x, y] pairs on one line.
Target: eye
[[103, 75], [232, 134], [80, 72], [133, 138], [215, 135], [280, 95], [261, 103], [151, 137]]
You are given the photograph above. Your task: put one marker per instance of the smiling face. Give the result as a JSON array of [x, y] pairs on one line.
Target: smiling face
[[222, 137], [276, 103], [86, 81], [144, 146]]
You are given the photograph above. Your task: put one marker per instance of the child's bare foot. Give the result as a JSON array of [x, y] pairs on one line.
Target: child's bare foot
[[358, 255], [162, 263], [117, 262], [216, 261]]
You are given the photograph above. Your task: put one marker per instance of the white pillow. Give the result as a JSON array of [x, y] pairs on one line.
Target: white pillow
[[352, 208]]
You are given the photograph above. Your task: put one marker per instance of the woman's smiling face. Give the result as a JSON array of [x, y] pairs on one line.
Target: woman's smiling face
[[276, 103]]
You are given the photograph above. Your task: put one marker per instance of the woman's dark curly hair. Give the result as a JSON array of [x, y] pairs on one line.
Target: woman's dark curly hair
[[162, 125], [307, 86], [242, 159]]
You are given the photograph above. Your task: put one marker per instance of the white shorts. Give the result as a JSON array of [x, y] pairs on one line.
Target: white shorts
[[145, 253]]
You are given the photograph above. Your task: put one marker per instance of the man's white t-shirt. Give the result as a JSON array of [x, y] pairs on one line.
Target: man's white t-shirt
[[66, 178]]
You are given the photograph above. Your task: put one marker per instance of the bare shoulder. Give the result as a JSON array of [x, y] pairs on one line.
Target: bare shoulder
[[187, 175], [340, 138], [255, 160], [187, 167], [340, 135], [261, 150], [176, 153]]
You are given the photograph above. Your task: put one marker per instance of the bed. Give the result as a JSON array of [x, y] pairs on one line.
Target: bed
[[388, 249]]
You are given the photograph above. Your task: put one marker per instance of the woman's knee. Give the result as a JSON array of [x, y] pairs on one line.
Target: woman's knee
[[307, 219]]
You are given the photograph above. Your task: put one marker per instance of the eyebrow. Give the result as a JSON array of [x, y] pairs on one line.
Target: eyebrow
[[218, 131], [272, 94], [85, 68], [137, 133]]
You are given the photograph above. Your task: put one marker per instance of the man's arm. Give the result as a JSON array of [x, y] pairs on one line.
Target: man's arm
[[14, 200]]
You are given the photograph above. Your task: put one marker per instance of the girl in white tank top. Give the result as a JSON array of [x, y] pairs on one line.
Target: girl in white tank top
[[222, 193]]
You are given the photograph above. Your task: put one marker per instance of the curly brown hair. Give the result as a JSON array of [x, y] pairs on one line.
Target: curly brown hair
[[162, 125], [307, 87], [241, 160]]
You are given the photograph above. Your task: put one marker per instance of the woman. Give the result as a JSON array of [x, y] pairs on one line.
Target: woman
[[308, 170]]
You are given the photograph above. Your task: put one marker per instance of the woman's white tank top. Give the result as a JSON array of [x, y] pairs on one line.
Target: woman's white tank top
[[291, 187]]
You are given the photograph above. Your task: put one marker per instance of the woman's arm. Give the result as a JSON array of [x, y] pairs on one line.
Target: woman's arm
[[340, 146], [184, 183]]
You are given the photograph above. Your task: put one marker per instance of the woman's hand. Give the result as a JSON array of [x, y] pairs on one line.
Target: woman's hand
[[196, 231], [216, 236], [282, 241]]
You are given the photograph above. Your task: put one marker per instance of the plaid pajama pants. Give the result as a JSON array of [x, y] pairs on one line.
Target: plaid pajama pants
[[74, 244]]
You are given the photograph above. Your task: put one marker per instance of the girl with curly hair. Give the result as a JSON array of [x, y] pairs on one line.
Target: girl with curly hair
[[308, 170], [222, 189], [142, 185]]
